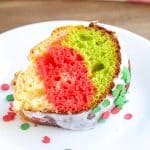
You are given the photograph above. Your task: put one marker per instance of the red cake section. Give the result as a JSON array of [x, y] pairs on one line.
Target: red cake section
[[67, 84]]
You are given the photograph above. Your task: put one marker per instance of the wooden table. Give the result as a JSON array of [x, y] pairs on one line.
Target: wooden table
[[132, 16]]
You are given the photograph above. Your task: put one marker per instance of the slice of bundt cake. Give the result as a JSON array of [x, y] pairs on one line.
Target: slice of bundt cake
[[70, 74]]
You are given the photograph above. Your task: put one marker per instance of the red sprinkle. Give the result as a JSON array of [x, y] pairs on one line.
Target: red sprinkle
[[5, 87], [105, 115], [13, 114], [9, 116], [6, 118], [115, 110], [128, 116], [46, 139]]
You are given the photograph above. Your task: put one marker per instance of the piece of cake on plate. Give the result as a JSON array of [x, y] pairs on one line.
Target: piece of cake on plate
[[76, 77]]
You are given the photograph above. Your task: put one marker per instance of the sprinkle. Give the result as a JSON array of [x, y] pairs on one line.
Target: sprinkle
[[126, 75], [46, 139], [115, 92], [120, 86], [119, 91], [10, 97], [123, 91], [100, 120], [120, 101], [5, 87], [67, 149], [106, 102], [128, 116], [25, 126], [122, 104], [9, 116], [115, 110], [96, 109], [105, 115], [6, 118], [11, 113]]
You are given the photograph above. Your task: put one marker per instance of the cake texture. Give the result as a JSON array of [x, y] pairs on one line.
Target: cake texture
[[74, 77]]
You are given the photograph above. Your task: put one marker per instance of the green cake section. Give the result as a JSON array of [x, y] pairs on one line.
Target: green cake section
[[98, 50]]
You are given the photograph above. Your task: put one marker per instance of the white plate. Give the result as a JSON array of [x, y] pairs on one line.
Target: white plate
[[117, 133]]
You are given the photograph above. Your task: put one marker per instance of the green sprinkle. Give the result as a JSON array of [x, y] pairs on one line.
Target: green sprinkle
[[115, 92], [100, 120], [126, 75], [119, 100], [123, 92], [121, 105], [120, 90], [106, 102], [96, 109], [128, 79], [10, 97], [25, 126], [120, 86]]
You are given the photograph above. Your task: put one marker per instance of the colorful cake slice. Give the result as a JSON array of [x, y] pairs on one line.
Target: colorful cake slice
[[74, 79]]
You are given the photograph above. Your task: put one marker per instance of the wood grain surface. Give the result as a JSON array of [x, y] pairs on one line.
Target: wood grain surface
[[132, 16]]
